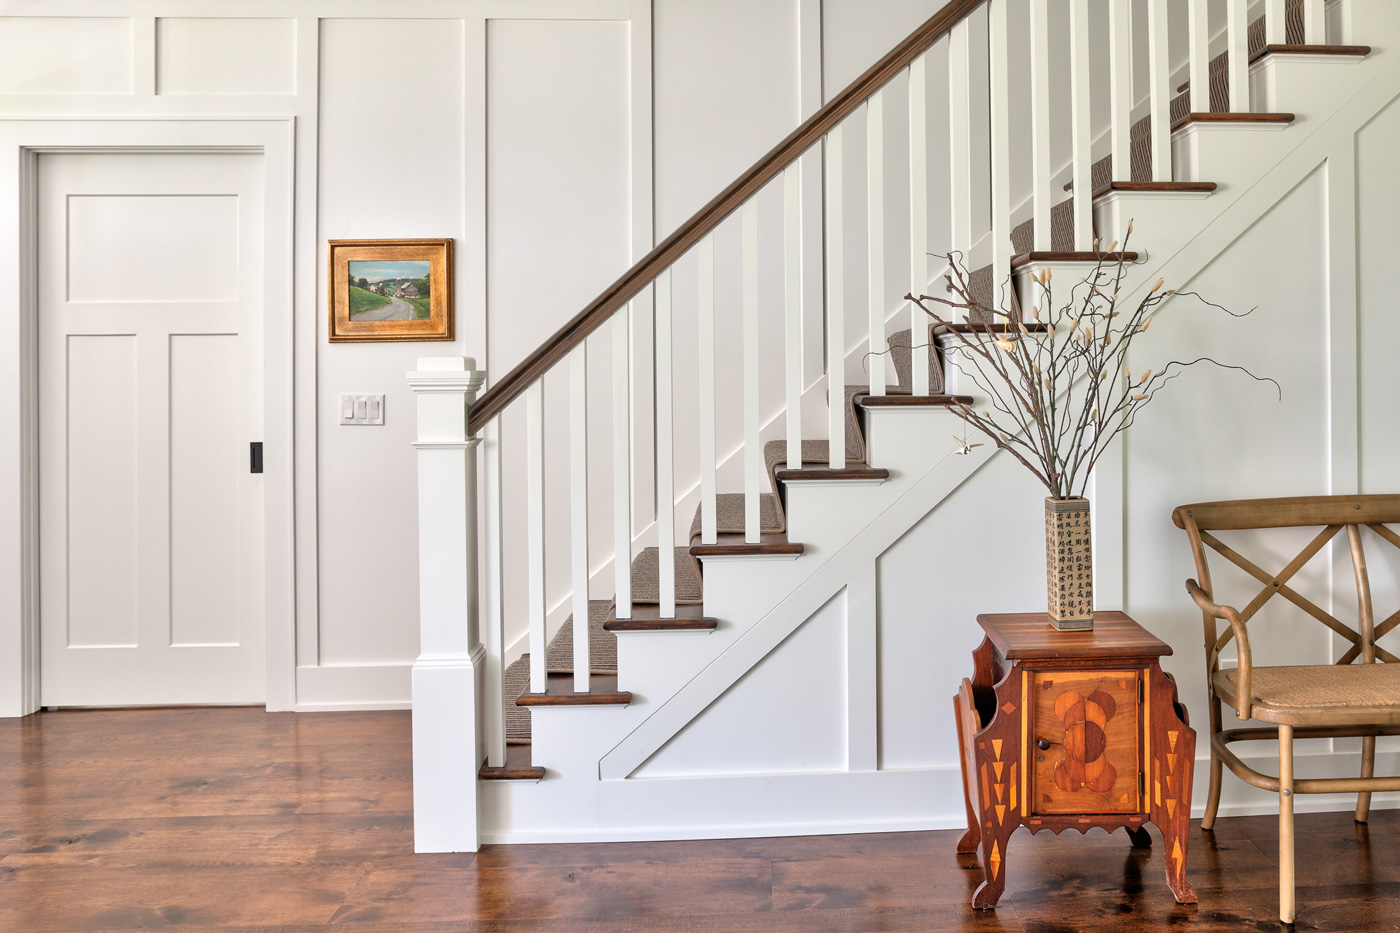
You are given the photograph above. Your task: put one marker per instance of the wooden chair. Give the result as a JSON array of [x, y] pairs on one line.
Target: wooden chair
[[1306, 701]]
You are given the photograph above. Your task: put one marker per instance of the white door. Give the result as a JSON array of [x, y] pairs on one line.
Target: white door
[[150, 393]]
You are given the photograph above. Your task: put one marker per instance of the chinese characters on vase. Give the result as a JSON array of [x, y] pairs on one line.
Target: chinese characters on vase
[[1069, 568]]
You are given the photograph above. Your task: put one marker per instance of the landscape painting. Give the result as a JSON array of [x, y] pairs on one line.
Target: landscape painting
[[390, 290]]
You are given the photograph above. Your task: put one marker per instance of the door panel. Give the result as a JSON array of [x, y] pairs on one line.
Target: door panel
[[1087, 742], [150, 367]]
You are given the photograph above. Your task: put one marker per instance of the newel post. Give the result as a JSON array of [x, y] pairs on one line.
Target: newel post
[[447, 677]]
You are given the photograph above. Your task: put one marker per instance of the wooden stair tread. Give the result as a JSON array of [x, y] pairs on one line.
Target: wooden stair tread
[[518, 766], [914, 401], [1232, 118], [559, 691], [1150, 186], [857, 471], [1081, 256], [648, 618], [964, 327], [732, 544], [1359, 51]]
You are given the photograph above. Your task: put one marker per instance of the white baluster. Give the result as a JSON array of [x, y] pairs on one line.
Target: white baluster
[[705, 253], [753, 450], [1120, 87], [665, 476], [835, 303], [493, 596], [959, 156], [622, 465], [1237, 40], [918, 222], [1159, 89], [1314, 22], [578, 508], [1081, 138], [1198, 47], [792, 308], [1041, 192], [1275, 23], [448, 676], [999, 81], [534, 530], [875, 240]]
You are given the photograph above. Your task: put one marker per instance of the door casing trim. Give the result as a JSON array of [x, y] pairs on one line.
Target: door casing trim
[[22, 142]]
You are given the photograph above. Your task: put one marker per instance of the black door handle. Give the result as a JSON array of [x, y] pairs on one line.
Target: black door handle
[[255, 457]]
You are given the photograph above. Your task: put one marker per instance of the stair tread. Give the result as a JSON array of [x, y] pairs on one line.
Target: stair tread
[[559, 691], [851, 471], [735, 545], [1300, 49], [914, 401], [1072, 256], [1194, 117], [648, 618], [518, 766], [1150, 186], [646, 578]]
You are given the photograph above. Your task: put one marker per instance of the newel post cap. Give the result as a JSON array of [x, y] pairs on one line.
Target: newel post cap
[[446, 374]]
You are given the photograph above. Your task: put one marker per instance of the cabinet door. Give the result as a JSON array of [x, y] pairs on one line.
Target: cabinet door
[[1086, 741]]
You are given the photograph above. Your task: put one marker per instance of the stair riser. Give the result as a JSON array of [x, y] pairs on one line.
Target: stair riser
[[1203, 152], [1306, 84]]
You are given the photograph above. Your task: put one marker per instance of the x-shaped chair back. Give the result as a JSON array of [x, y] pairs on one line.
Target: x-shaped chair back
[[1332, 514]]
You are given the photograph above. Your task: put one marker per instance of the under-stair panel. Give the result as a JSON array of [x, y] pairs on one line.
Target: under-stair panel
[[788, 714]]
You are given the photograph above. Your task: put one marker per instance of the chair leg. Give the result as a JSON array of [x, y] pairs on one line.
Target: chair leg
[[1213, 796], [1368, 769], [1285, 824]]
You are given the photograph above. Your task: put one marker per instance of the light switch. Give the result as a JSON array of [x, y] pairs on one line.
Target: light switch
[[361, 408]]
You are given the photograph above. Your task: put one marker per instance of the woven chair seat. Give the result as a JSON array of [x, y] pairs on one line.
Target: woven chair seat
[[1345, 693]]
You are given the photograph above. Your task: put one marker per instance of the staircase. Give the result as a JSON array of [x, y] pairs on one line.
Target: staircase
[[572, 731]]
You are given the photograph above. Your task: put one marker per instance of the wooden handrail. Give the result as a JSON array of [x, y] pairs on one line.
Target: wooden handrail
[[600, 309]]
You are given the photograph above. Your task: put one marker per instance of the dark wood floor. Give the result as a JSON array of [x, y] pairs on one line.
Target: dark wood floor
[[237, 819]]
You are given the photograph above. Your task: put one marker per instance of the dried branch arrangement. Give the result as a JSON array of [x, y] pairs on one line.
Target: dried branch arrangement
[[1058, 389]]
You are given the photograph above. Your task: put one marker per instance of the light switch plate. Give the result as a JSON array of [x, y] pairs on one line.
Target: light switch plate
[[361, 408]]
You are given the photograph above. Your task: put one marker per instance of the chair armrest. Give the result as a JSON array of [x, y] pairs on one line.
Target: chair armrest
[[1231, 615]]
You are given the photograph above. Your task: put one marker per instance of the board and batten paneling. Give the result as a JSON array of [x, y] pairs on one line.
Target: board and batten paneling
[[392, 129], [225, 55]]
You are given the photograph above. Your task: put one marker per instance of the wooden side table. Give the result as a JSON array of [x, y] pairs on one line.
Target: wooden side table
[[1070, 730]]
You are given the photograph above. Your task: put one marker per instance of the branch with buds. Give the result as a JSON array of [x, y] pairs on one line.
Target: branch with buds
[[1059, 390]]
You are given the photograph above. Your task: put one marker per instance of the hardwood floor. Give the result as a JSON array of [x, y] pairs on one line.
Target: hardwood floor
[[236, 819]]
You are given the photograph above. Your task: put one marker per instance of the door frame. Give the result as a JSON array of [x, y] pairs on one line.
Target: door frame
[[22, 142]]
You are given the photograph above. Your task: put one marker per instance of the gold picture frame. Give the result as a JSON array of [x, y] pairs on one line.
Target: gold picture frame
[[376, 290]]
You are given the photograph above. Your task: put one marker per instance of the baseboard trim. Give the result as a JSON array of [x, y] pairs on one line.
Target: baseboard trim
[[355, 687]]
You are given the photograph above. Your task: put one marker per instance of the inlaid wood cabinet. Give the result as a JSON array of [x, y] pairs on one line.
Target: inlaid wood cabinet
[[1071, 730]]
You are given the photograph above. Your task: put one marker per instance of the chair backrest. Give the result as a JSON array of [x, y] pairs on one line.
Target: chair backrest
[[1331, 514]]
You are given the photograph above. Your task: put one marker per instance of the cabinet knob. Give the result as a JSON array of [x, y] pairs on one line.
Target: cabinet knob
[[1044, 745]]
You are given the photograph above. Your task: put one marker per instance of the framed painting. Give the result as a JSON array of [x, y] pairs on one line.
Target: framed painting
[[382, 290]]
